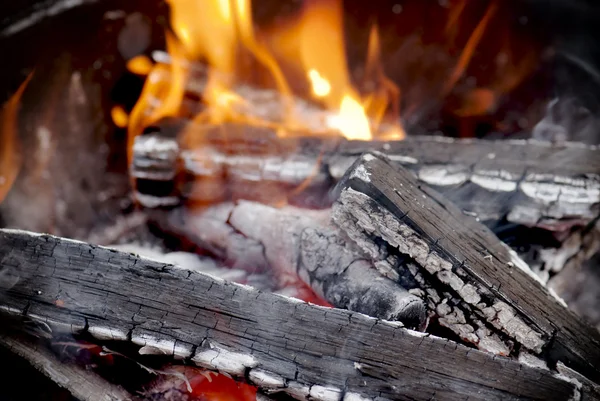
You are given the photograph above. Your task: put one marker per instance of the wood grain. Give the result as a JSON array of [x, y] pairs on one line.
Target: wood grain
[[300, 348], [470, 262]]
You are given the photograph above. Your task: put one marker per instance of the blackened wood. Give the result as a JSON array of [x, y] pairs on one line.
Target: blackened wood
[[83, 384], [295, 245], [276, 342], [529, 182], [465, 258]]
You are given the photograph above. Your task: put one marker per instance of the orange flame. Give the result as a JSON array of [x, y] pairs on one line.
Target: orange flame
[[10, 162], [215, 49], [469, 49], [221, 32], [315, 44]]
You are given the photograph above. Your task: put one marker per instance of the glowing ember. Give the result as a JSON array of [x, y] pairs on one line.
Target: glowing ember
[[119, 116], [140, 65]]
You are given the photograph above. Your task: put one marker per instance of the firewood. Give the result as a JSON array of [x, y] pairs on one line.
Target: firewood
[[294, 244], [275, 342], [464, 269], [255, 236], [529, 182]]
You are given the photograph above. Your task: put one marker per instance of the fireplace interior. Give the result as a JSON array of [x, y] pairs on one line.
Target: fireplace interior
[[262, 143]]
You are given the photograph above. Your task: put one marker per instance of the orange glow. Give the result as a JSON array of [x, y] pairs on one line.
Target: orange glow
[[140, 65], [320, 86], [469, 48], [301, 81], [351, 120], [221, 34], [318, 39], [119, 116], [383, 94], [162, 94], [10, 153]]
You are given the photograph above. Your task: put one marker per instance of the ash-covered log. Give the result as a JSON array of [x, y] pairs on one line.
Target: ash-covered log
[[297, 244], [472, 283], [277, 343], [467, 274], [529, 182]]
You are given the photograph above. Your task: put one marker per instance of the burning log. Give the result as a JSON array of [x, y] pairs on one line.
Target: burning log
[[529, 182], [77, 288], [472, 283]]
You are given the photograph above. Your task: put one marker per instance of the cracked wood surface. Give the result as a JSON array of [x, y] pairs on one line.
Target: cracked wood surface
[[529, 182], [460, 256], [278, 343], [293, 245]]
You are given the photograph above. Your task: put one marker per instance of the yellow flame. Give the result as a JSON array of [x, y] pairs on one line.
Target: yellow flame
[[351, 120], [119, 116], [220, 33], [320, 86], [140, 65]]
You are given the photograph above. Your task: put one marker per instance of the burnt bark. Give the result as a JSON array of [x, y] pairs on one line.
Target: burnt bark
[[528, 182], [464, 269], [277, 343], [295, 244]]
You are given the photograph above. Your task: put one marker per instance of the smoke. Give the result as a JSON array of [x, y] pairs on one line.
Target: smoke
[[567, 119], [8, 277]]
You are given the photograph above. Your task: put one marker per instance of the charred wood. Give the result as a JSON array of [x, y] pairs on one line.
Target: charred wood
[[294, 244], [528, 182], [458, 256], [274, 342]]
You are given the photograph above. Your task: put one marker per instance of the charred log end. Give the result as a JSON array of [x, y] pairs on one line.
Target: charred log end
[[462, 257]]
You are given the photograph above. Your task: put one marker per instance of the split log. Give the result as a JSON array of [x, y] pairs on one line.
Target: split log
[[529, 182], [82, 383], [464, 269], [272, 341]]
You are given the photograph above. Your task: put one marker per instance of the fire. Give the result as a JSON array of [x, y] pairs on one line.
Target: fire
[[220, 65], [10, 162], [220, 34], [318, 36]]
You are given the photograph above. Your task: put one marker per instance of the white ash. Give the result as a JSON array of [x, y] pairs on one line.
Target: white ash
[[494, 184], [151, 345], [443, 175], [222, 360], [154, 144], [532, 361], [104, 333], [322, 393], [361, 173], [298, 390], [402, 237], [402, 159], [154, 202], [547, 193], [265, 379], [355, 397]]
